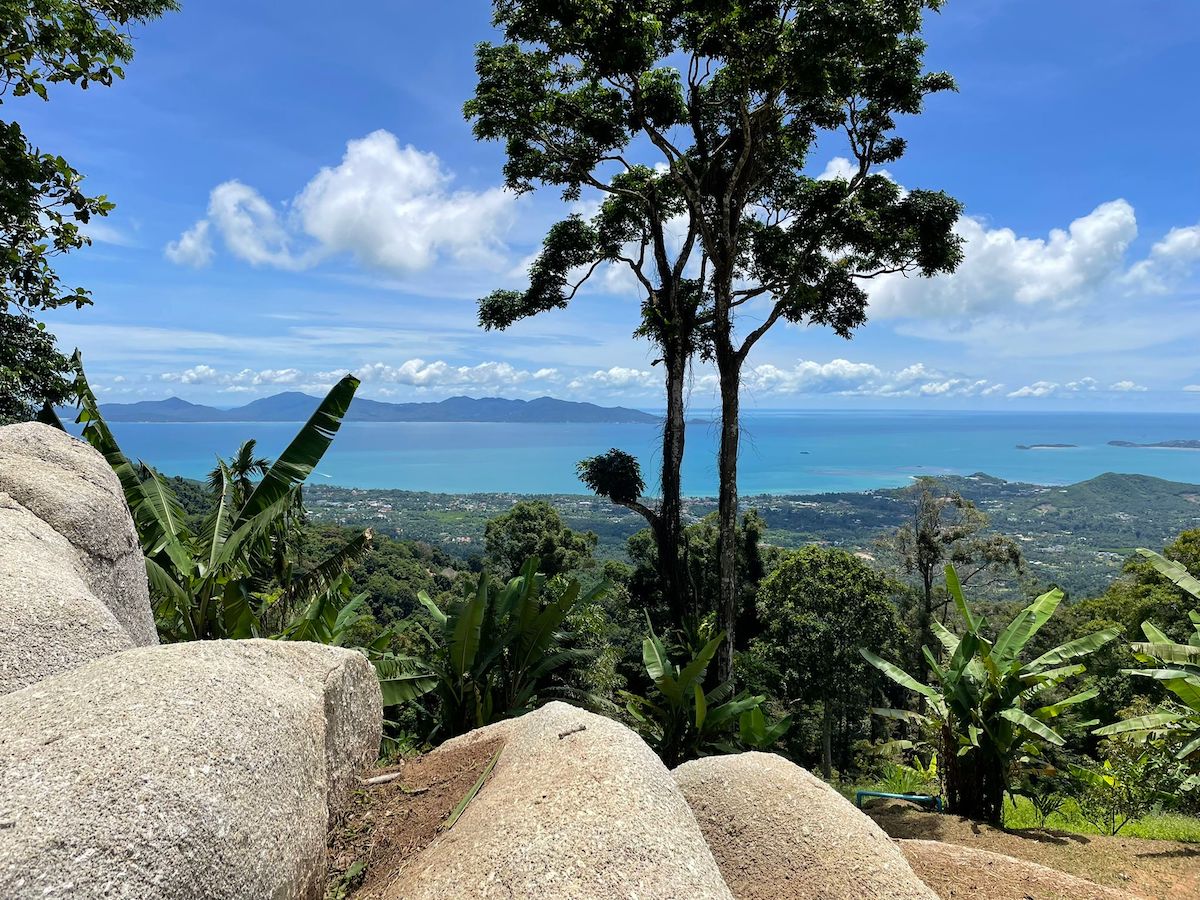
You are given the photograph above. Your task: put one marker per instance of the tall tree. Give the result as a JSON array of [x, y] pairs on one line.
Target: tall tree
[[44, 43], [703, 114], [945, 528], [818, 608]]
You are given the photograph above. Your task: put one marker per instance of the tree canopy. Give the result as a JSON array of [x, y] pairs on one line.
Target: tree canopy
[[533, 528]]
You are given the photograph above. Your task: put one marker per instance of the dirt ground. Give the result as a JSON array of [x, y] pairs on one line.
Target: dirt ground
[[1155, 870], [388, 824]]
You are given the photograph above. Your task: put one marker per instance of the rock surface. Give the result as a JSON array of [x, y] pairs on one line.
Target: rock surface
[[196, 770], [577, 808], [957, 872], [50, 621], [72, 488], [780, 833]]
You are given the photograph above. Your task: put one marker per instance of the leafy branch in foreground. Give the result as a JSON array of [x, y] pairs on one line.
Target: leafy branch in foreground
[[984, 699]]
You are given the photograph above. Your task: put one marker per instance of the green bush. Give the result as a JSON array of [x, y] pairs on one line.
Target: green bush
[[495, 653]]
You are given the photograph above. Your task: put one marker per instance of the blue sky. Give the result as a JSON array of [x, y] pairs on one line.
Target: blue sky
[[298, 196]]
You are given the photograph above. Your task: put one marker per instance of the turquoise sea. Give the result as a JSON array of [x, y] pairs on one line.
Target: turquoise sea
[[783, 452]]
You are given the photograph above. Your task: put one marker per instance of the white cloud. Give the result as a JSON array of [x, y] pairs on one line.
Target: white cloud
[[196, 375], [439, 374], [246, 378], [617, 378], [1037, 389], [1171, 260], [194, 247], [1081, 385], [844, 377], [389, 206], [1000, 268], [251, 228]]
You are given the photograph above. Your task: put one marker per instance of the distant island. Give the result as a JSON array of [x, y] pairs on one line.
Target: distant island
[[293, 406], [1160, 445], [1046, 446]]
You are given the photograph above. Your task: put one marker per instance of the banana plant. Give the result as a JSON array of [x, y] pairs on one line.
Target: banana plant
[[987, 701], [1177, 667], [219, 581], [683, 721], [493, 654]]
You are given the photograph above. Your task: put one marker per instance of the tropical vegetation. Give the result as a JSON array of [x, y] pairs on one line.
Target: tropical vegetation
[[989, 705], [493, 653]]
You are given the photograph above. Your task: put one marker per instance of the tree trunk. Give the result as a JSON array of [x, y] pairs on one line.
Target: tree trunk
[[669, 534], [827, 739], [727, 506], [974, 782], [924, 628]]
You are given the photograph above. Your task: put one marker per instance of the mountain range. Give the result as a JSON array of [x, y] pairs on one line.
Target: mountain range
[[294, 406]]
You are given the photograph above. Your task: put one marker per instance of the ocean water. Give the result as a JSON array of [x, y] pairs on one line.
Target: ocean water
[[782, 452]]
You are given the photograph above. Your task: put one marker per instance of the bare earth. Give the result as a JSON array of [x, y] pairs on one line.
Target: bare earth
[[1155, 870], [389, 824]]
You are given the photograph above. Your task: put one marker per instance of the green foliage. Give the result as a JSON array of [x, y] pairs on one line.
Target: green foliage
[[945, 528], [681, 720], [1161, 826], [1177, 668], [615, 475], [224, 579], [985, 698], [1126, 786], [494, 653], [42, 202], [533, 528], [1044, 788], [818, 608], [32, 371], [917, 778]]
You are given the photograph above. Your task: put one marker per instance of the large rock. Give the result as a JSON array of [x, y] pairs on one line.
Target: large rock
[[956, 872], [204, 770], [49, 619], [780, 833], [71, 487], [577, 808]]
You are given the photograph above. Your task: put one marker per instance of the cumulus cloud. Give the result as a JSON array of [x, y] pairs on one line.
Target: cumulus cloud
[[1001, 268], [1171, 260], [1080, 385], [389, 206], [617, 378], [194, 247], [439, 373], [246, 378], [1037, 389], [847, 378]]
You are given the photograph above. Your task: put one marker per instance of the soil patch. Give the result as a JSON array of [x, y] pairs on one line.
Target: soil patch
[[388, 824], [1156, 870], [958, 873]]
